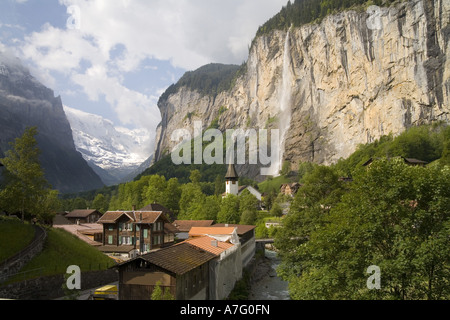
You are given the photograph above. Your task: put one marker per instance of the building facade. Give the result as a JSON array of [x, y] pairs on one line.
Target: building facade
[[135, 232]]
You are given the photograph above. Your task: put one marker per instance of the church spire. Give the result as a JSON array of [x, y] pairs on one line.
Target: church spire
[[231, 173]]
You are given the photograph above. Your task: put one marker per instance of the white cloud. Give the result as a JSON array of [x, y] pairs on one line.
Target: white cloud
[[115, 37]]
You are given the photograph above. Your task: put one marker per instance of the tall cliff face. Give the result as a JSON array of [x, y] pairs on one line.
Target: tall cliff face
[[332, 86], [25, 102]]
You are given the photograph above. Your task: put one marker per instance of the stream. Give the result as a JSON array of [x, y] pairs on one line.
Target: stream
[[269, 286]]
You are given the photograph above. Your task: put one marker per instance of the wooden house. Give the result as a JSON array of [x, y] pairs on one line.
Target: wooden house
[[83, 216], [290, 189], [200, 268], [182, 269], [135, 232]]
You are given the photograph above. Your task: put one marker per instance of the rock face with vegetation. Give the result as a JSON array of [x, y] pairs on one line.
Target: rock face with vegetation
[[344, 80]]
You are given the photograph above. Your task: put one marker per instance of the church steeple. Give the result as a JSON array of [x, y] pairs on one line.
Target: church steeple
[[231, 173], [232, 181]]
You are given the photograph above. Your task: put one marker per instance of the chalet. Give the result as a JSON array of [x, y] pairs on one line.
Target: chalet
[[83, 216], [135, 232], [182, 269], [200, 268], [184, 226], [290, 189]]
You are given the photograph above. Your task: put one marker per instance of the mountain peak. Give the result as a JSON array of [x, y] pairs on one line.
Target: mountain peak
[[114, 152]]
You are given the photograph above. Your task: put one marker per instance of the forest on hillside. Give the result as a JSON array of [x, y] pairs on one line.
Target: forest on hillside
[[391, 217], [302, 12], [430, 143]]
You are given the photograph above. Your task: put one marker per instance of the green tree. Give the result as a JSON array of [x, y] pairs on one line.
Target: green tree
[[156, 190], [219, 185], [173, 195], [285, 168], [276, 210], [26, 189], [248, 205], [211, 207], [191, 201], [195, 176], [229, 210], [157, 293], [309, 211], [394, 216], [100, 203]]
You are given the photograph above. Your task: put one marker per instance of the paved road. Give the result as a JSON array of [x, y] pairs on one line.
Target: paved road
[[87, 293]]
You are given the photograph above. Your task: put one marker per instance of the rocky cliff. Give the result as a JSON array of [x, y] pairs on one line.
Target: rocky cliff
[[331, 86], [25, 102]]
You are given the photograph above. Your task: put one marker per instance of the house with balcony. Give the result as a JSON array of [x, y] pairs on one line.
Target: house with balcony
[[131, 233]]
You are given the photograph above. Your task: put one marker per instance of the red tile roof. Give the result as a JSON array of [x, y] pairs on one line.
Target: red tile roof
[[210, 244], [241, 229], [199, 231]]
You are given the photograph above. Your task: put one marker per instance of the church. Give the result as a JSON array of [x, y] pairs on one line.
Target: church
[[232, 185]]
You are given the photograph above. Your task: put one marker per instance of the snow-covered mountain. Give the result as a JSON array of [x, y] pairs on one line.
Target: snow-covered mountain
[[113, 152]]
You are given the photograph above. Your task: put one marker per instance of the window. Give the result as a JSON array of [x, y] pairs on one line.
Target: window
[[110, 227], [145, 233], [157, 240], [110, 239], [127, 240]]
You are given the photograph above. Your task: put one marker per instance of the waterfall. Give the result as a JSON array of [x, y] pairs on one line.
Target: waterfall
[[284, 115]]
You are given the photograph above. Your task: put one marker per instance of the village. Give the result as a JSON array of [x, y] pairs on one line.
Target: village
[[154, 251], [185, 259]]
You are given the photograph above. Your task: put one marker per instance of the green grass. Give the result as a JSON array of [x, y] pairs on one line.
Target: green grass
[[14, 236], [62, 250], [273, 184]]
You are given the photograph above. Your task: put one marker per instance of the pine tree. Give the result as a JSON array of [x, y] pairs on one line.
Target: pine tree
[[27, 191]]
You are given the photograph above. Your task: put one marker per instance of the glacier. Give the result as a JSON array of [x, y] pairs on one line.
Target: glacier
[[115, 153]]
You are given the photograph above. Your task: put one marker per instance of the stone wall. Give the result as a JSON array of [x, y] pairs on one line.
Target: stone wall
[[16, 263]]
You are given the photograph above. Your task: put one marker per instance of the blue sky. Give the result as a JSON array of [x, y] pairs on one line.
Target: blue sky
[[115, 58]]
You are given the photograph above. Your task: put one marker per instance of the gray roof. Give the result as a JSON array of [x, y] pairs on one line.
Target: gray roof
[[231, 173]]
